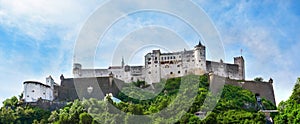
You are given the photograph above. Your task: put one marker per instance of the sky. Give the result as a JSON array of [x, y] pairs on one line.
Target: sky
[[38, 37]]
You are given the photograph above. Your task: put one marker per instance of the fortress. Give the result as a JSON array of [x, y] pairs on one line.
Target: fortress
[[168, 65], [157, 66]]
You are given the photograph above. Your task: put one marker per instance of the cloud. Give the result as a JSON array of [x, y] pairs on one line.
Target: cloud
[[267, 33]]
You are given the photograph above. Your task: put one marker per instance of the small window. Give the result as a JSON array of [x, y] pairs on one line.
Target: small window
[[155, 58], [155, 65], [32, 90], [178, 65], [179, 56], [178, 72], [149, 63], [27, 95], [149, 72], [171, 72], [187, 60], [44, 93]]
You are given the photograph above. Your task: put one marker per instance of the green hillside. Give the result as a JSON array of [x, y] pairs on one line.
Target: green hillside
[[235, 106]]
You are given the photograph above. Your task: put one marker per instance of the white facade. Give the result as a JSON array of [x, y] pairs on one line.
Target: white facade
[[35, 90], [168, 65]]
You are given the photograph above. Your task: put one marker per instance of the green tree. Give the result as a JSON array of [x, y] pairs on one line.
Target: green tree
[[85, 118]]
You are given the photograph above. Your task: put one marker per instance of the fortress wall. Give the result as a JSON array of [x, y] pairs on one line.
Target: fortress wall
[[232, 71], [216, 68], [100, 86], [264, 89]]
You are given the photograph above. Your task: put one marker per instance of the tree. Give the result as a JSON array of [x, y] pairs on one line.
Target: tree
[[85, 118], [259, 79], [289, 111], [12, 102]]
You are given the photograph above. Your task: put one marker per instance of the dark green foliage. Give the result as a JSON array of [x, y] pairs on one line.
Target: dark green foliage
[[235, 106], [289, 111], [259, 79]]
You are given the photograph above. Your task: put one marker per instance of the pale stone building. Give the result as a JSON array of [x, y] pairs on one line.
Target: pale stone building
[[168, 65], [34, 90]]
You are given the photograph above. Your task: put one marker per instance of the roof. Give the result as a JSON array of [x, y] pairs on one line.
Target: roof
[[115, 67], [35, 82]]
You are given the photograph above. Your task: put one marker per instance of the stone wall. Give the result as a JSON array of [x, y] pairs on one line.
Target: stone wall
[[264, 89], [79, 88]]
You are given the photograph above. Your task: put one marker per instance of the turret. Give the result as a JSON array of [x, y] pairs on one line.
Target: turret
[[200, 58], [50, 82], [240, 62], [77, 70]]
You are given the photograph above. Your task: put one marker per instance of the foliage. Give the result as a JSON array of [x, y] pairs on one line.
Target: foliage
[[289, 111], [259, 79], [235, 106]]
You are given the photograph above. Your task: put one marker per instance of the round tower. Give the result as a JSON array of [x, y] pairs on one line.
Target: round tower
[[200, 59]]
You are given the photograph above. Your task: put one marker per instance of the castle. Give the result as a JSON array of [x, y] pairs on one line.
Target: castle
[[168, 65], [157, 66]]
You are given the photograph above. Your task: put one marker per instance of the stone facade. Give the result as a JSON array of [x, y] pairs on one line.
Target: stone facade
[[33, 91], [168, 65]]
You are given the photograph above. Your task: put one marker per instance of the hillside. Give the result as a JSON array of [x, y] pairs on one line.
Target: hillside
[[235, 106]]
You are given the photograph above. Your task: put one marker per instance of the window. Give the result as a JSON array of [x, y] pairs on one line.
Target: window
[[188, 60], [155, 58], [32, 90], [178, 72], [155, 65], [171, 72], [27, 95], [149, 63], [44, 93], [149, 72], [178, 65]]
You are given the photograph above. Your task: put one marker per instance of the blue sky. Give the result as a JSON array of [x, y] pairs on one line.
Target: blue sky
[[37, 38]]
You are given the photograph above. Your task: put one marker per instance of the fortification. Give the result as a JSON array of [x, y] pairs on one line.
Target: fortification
[[157, 66], [168, 65]]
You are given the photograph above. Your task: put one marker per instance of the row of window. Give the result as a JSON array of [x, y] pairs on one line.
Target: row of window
[[170, 72]]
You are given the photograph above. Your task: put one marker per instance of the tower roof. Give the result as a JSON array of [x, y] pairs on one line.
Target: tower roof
[[199, 44]]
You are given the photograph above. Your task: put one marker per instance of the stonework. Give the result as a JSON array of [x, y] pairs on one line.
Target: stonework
[[168, 65], [96, 83], [33, 91]]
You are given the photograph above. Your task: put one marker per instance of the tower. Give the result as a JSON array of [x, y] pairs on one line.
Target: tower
[[50, 82], [241, 63], [122, 62], [152, 66], [200, 58], [77, 70]]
